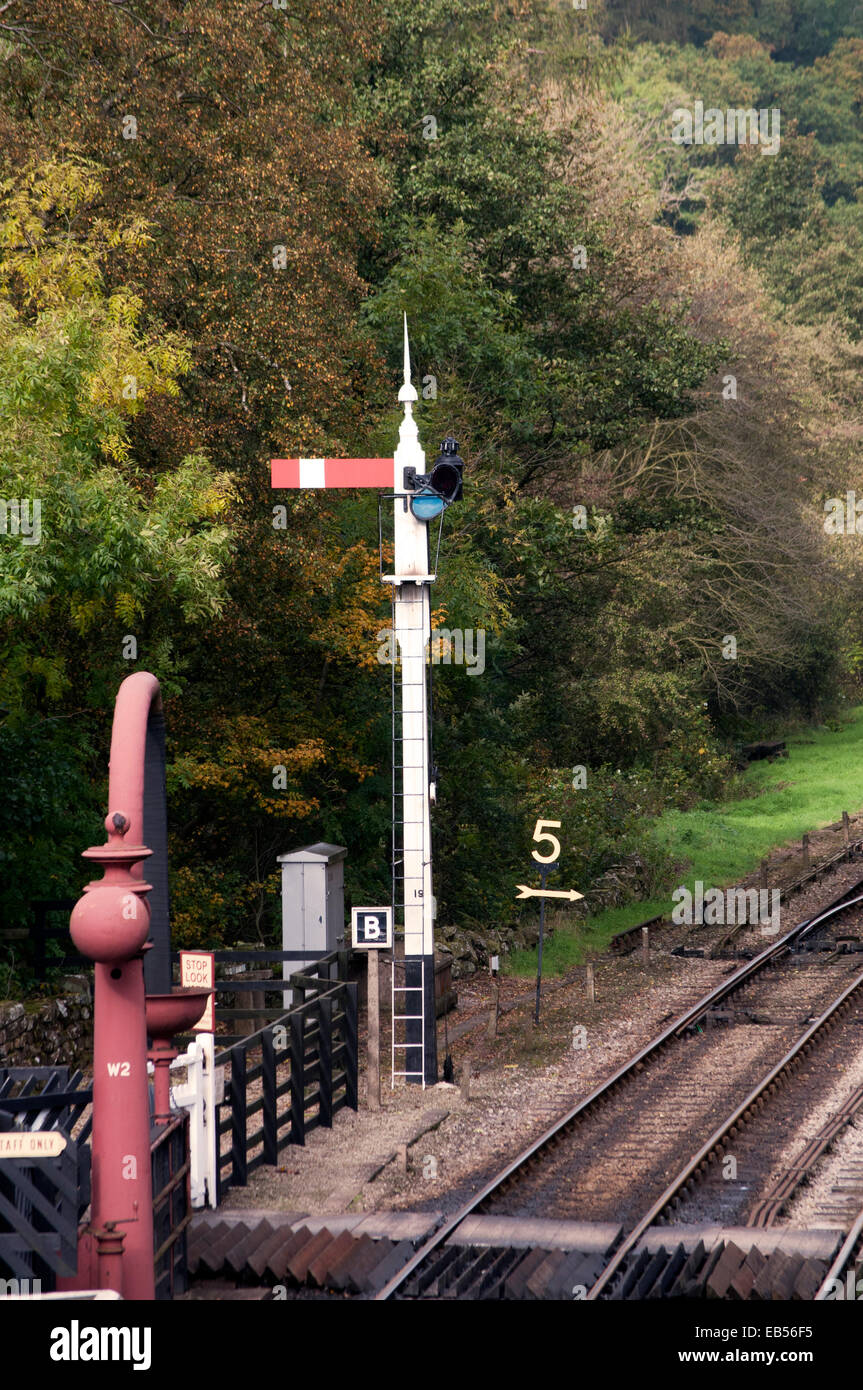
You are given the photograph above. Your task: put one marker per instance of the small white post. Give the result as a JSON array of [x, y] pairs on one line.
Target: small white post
[[198, 1095]]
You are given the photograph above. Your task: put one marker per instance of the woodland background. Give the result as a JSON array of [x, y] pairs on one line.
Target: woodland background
[[153, 357]]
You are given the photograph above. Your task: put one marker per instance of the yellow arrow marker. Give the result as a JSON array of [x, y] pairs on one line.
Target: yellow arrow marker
[[568, 893]]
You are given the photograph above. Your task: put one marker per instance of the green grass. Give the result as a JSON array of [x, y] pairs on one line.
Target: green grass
[[720, 843]]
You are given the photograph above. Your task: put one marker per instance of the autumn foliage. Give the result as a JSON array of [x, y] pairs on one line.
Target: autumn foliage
[[212, 218]]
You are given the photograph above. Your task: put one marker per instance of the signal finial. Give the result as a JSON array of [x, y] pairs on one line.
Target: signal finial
[[407, 392]]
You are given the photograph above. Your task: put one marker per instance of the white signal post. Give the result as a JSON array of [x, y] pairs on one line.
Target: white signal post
[[414, 1055], [412, 622]]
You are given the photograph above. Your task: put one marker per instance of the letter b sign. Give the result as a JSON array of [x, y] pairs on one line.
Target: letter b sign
[[371, 927]]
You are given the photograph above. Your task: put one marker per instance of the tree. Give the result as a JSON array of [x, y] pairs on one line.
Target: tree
[[99, 566], [209, 125]]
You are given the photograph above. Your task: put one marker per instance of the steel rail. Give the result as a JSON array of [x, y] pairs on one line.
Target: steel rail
[[633, 1065], [786, 1186], [846, 1251], [719, 1134]]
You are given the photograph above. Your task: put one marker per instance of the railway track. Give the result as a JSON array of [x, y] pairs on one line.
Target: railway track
[[616, 1154], [846, 1271]]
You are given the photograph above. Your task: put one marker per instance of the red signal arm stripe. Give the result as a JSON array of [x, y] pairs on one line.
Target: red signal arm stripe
[[376, 473]]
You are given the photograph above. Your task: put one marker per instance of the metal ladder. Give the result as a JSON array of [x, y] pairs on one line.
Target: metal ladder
[[405, 1018]]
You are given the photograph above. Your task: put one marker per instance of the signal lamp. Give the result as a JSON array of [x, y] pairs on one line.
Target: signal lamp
[[446, 475], [426, 505], [442, 486]]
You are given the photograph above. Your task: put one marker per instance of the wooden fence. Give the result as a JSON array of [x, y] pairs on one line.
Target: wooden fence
[[43, 1201], [247, 985], [292, 1075], [172, 1209], [244, 975], [49, 921]]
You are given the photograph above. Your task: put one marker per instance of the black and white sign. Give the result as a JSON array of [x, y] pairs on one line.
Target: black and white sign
[[371, 926]]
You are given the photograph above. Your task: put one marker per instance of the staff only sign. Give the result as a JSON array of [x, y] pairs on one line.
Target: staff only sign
[[371, 926], [32, 1144]]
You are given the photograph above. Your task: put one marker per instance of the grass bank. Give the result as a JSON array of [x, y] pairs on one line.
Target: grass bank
[[720, 843]]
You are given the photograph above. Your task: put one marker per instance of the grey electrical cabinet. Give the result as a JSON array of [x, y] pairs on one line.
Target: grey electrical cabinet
[[313, 902]]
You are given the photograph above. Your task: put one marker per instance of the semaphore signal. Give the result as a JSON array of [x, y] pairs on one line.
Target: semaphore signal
[[418, 498]]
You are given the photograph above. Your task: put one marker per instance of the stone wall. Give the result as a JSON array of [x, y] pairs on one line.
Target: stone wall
[[46, 1032], [471, 949]]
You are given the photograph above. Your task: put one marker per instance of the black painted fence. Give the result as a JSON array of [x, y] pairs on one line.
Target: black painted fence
[[49, 922], [172, 1207], [250, 990], [43, 1201], [292, 1075]]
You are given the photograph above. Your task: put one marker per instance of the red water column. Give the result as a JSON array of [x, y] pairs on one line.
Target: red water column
[[110, 925]]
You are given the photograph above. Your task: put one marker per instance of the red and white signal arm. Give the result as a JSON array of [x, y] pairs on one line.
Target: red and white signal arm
[[371, 927]]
